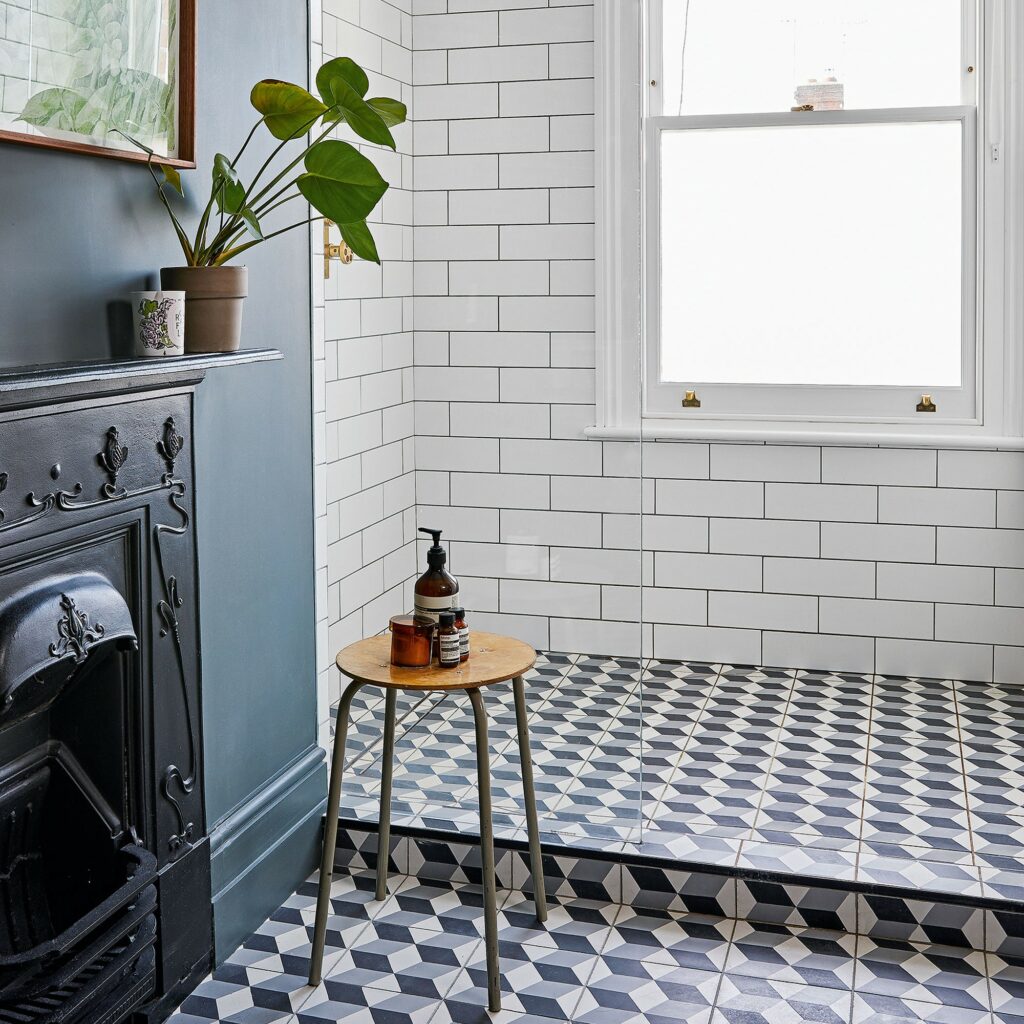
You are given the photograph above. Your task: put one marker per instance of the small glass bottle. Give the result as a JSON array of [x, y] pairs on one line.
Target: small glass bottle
[[447, 641], [463, 628]]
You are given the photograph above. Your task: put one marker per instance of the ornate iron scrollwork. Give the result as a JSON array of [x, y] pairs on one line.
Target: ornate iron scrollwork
[[112, 459], [75, 634], [171, 444]]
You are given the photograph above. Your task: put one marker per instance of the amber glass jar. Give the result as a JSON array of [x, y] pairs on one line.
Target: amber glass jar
[[412, 639]]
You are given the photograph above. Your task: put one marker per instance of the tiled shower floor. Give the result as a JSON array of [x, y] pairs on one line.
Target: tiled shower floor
[[914, 782]]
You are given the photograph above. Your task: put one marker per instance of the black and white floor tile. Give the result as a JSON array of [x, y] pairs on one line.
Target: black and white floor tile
[[418, 958]]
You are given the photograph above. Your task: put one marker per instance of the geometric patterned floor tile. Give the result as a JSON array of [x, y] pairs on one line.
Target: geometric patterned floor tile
[[243, 995], [871, 1008], [621, 992], [744, 1000], [677, 940], [804, 956], [930, 974]]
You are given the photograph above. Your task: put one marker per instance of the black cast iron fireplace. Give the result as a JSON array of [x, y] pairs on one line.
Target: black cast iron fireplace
[[105, 910]]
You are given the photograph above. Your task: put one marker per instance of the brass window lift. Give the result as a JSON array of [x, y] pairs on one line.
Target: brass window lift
[[340, 252]]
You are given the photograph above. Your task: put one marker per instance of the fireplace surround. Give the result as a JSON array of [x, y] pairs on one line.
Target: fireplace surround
[[105, 909]]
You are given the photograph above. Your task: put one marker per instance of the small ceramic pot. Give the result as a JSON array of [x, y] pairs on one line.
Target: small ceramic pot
[[159, 323], [213, 305]]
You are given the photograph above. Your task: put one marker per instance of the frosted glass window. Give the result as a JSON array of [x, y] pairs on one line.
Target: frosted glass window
[[820, 254], [744, 56]]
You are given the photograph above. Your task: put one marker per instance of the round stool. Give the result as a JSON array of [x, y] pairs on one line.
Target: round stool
[[493, 659]]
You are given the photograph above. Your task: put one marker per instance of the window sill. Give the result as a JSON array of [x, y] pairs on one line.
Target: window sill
[[660, 430]]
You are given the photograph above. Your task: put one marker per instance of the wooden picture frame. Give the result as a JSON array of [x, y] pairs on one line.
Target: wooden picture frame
[[184, 155]]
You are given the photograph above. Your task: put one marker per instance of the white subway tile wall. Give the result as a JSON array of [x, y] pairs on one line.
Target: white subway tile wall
[[365, 416], [845, 558]]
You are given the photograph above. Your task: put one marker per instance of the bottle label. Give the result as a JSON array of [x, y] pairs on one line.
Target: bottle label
[[431, 607], [464, 641], [448, 653]]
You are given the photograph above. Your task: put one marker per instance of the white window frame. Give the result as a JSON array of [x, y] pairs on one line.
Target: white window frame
[[991, 416]]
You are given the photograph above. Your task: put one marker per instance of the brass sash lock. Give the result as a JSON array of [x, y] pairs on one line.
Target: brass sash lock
[[690, 400], [926, 404], [334, 252]]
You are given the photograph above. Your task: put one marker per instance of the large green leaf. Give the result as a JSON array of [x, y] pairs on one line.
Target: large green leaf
[[359, 240], [288, 110], [252, 223], [391, 111], [346, 70], [340, 182], [173, 178], [348, 105], [230, 192], [54, 108]]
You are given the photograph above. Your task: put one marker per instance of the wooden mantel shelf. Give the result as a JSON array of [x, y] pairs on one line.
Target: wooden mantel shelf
[[27, 386]]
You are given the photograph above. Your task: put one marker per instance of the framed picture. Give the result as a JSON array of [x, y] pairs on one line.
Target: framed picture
[[76, 73]]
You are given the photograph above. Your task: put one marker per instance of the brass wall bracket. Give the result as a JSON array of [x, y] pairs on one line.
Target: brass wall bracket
[[926, 404], [690, 400], [339, 252]]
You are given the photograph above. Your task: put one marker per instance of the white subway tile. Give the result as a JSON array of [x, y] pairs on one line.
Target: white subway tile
[[566, 458], [967, 584], [547, 242], [553, 25], [344, 557], [822, 576], [431, 278], [441, 102], [465, 454], [546, 385], [557, 96], [499, 135], [360, 510], [783, 463], [669, 605], [362, 586], [545, 170], [572, 132], [430, 208], [933, 659], [905, 619], [399, 493], [620, 458], [964, 546], [764, 537], [344, 477], [533, 597], [679, 460], [532, 629], [621, 530], [622, 604], [478, 593], [1008, 665], [478, 419], [710, 498], [555, 313], [821, 502], [475, 242], [583, 565], [571, 421], [973, 623], [1010, 587], [457, 313], [819, 652], [572, 349], [500, 490], [379, 390], [429, 67], [500, 206], [878, 543], [499, 348], [572, 205], [571, 60], [1010, 510], [498, 64], [595, 494], [359, 434], [477, 524], [521, 526], [382, 538], [448, 31], [502, 561], [995, 470], [675, 533], [499, 277], [707, 572], [382, 464], [906, 466], [456, 383], [617, 639], [430, 138], [938, 506], [431, 418], [707, 643], [433, 488], [763, 611]]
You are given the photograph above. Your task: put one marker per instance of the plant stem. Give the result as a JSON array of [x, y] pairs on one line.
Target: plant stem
[[182, 237], [232, 253]]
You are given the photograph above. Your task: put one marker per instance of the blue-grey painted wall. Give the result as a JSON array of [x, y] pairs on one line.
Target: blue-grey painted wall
[[78, 233]]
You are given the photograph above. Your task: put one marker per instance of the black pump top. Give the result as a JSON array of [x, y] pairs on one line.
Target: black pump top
[[436, 556]]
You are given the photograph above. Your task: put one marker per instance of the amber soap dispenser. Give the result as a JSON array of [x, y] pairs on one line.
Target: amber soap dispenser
[[436, 590]]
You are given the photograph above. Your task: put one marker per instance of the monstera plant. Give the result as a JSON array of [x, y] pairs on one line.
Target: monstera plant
[[335, 178]]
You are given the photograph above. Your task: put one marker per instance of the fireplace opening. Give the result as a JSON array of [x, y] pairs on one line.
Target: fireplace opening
[[78, 894]]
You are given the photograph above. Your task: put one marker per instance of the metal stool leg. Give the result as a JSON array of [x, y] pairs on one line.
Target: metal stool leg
[[323, 899], [387, 769], [526, 767], [483, 768]]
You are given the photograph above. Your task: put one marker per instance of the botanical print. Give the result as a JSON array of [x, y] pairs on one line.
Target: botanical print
[[84, 70]]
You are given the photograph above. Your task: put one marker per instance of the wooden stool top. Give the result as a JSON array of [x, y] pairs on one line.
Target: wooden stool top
[[492, 659]]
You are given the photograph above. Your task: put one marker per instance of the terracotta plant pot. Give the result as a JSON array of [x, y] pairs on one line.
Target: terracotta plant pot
[[213, 305]]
